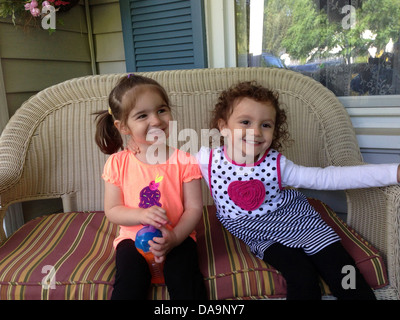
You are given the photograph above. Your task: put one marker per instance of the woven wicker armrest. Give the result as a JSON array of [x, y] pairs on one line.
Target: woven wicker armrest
[[13, 145], [375, 213]]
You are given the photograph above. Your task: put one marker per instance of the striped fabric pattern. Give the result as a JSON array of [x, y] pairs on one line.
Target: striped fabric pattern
[[229, 268], [234, 272], [74, 247], [367, 258], [77, 249]]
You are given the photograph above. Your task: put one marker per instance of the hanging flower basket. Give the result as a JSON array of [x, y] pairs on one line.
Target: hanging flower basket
[[26, 10]]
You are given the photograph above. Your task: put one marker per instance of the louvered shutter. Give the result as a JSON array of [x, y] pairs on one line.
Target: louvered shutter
[[163, 34]]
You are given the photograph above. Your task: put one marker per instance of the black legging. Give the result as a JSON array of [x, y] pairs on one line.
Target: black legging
[[301, 272], [181, 272]]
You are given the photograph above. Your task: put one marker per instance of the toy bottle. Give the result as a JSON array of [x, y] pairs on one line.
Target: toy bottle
[[141, 242]]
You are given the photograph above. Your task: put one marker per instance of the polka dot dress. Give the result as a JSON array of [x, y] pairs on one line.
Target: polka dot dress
[[252, 206]]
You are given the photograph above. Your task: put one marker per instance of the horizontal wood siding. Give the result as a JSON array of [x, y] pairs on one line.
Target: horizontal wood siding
[[107, 34], [32, 59], [376, 120]]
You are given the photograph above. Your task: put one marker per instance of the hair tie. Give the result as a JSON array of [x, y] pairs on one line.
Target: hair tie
[[110, 111], [129, 75]]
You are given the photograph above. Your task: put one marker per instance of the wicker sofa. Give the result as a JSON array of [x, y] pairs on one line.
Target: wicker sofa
[[47, 151]]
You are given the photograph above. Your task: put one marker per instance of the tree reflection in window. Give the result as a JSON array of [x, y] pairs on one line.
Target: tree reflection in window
[[350, 46]]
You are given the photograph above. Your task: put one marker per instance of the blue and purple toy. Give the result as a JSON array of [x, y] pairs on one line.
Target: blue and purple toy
[[144, 235], [142, 244]]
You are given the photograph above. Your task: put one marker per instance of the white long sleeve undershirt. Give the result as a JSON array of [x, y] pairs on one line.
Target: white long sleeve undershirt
[[337, 178], [329, 178]]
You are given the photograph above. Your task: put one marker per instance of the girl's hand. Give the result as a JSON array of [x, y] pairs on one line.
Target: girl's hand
[[161, 246], [132, 146], [155, 216]]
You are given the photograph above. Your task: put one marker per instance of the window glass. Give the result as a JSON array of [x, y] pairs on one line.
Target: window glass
[[351, 47]]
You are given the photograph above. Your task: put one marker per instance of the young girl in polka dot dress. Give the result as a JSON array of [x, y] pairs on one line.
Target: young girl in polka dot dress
[[247, 176]]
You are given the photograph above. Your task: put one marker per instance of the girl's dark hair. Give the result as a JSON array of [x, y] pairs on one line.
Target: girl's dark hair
[[250, 89], [107, 135]]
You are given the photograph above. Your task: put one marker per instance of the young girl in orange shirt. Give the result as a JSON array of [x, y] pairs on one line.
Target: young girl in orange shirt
[[142, 190]]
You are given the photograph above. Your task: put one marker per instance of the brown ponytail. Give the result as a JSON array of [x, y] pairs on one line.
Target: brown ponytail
[[107, 135]]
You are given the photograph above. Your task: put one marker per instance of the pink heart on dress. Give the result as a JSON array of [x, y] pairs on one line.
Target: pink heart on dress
[[248, 195]]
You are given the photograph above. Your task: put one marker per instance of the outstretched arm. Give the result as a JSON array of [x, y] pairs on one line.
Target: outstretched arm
[[339, 178]]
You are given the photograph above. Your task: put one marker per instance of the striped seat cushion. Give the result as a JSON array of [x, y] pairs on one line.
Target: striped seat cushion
[[60, 256], [70, 256], [231, 271], [367, 258]]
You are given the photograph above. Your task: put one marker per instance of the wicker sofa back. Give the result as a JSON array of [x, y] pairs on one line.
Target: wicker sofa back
[[47, 150]]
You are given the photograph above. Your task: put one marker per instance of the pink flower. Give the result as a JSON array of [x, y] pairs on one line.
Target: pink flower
[[32, 7], [35, 12], [45, 4]]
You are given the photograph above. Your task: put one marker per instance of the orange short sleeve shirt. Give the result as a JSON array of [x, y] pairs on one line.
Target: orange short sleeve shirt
[[144, 185]]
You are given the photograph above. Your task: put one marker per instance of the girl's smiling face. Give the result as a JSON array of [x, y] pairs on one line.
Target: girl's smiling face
[[250, 130], [148, 121]]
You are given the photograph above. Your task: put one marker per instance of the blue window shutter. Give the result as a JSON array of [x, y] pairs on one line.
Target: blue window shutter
[[163, 34]]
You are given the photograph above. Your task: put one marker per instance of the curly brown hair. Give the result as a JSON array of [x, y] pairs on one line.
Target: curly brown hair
[[250, 89]]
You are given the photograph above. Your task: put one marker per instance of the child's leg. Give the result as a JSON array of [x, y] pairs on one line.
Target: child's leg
[[182, 274], [132, 279], [300, 274], [330, 262]]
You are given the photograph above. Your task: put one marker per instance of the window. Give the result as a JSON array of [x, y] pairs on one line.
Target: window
[[350, 46]]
